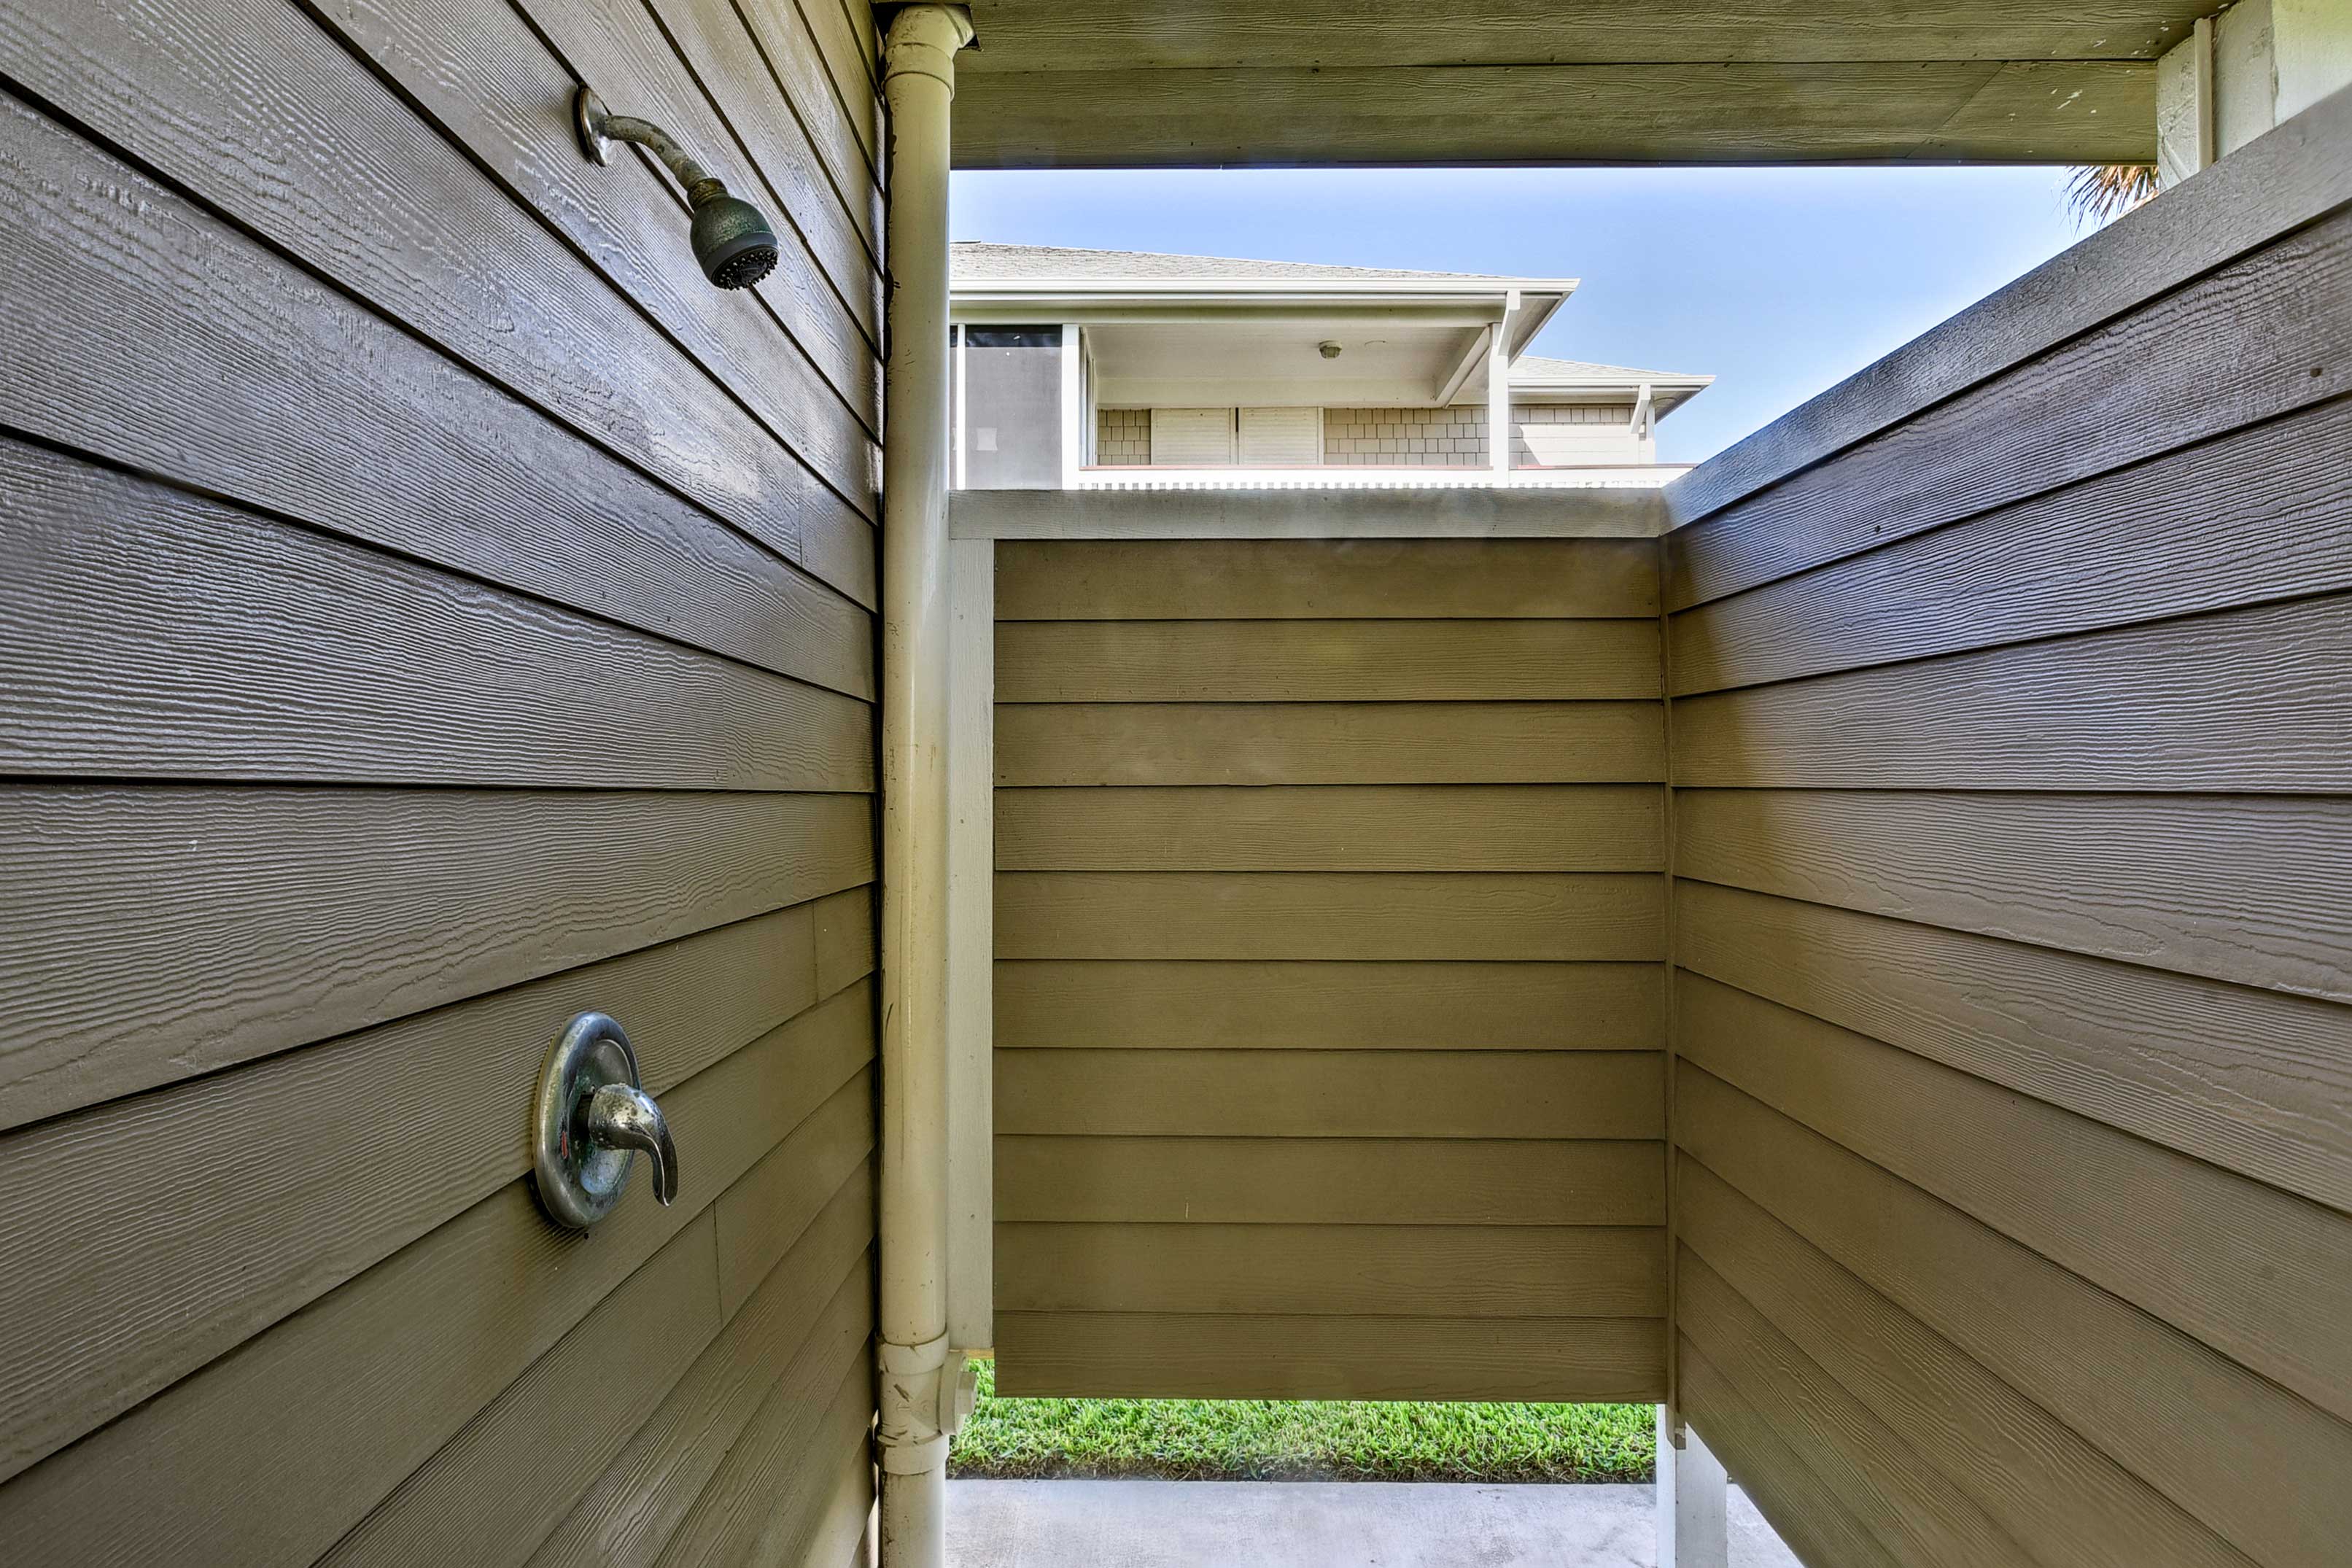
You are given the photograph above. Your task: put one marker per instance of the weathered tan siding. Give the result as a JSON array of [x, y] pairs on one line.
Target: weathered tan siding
[[2012, 752], [433, 611], [1329, 997]]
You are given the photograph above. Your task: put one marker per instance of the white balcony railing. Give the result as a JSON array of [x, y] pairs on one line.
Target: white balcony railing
[[1628, 476]]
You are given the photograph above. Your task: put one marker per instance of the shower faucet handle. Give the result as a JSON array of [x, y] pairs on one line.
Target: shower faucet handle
[[590, 1121]]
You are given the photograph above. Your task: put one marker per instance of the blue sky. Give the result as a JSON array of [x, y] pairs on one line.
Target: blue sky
[[1779, 281]]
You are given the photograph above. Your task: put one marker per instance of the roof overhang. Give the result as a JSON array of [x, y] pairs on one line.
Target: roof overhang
[[1667, 393], [1142, 83], [1226, 340]]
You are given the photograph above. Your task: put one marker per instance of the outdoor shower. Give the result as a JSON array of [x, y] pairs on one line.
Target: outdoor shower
[[732, 241]]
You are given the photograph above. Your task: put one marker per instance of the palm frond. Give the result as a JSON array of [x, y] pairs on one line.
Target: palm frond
[[2099, 192]]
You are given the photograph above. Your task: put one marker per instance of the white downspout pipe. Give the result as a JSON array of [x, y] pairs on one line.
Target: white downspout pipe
[[918, 1402]]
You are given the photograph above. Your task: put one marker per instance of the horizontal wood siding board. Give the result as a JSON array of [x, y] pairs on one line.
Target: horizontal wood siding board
[[290, 915], [777, 1495], [846, 937], [1332, 1094], [1423, 827], [789, 353], [1329, 744], [787, 48], [2254, 1463], [379, 436], [1148, 1004], [99, 1329], [1325, 661], [1330, 1181], [2252, 889], [2035, 1475], [2104, 401], [2249, 1080], [1229, 1356], [167, 1482], [1033, 37], [156, 633], [2262, 1276], [1327, 915], [842, 54], [1910, 1504], [2256, 699], [763, 1215], [784, 1338], [1501, 1271], [492, 1490], [1641, 111], [1467, 512], [1246, 579], [2275, 182], [1811, 1517], [2241, 520]]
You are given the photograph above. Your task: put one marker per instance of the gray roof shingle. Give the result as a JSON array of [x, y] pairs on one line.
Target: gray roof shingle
[[978, 261]]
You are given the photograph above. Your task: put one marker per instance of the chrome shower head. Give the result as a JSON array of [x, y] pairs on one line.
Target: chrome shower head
[[733, 242]]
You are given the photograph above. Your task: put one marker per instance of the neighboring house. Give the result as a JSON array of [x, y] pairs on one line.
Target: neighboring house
[[1106, 369]]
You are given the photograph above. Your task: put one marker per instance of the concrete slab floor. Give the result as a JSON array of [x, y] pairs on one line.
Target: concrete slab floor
[[1320, 1524]]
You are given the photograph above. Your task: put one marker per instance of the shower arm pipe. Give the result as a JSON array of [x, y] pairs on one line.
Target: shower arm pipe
[[660, 144]]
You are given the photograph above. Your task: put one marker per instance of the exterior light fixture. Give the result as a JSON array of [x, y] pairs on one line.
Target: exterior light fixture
[[731, 239], [1328, 349]]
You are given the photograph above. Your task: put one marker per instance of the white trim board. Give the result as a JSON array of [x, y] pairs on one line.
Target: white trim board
[[1464, 513]]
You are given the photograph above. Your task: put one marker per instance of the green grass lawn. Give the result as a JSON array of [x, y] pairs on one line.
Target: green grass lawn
[[1266, 1439]]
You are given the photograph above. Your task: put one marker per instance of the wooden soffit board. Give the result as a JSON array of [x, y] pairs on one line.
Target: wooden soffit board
[[1150, 83]]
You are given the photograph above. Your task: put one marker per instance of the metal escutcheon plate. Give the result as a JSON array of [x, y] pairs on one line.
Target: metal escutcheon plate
[[580, 1180]]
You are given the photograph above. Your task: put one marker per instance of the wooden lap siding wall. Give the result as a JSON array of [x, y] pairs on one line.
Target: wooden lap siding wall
[[433, 611], [1329, 992], [2012, 752]]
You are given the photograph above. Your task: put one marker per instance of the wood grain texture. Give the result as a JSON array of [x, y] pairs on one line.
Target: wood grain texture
[[1326, 915], [190, 93], [2245, 700], [271, 390], [774, 1496], [1221, 1356], [1749, 113], [97, 1329], [846, 45], [156, 933], [493, 85], [763, 1215], [157, 633], [1344, 579], [625, 49], [2274, 184], [845, 938], [1330, 1180], [790, 49], [2104, 401], [1324, 661], [1144, 1004], [794, 146], [492, 1490], [1330, 742], [785, 1338], [1040, 35], [801, 1485], [166, 1482], [1412, 1271], [1909, 1503], [1811, 1518], [493, 1493], [1394, 827], [2262, 1276], [2251, 888], [2249, 1080], [1329, 514], [2034, 1475], [1330, 1094], [2240, 519], [2254, 1463]]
